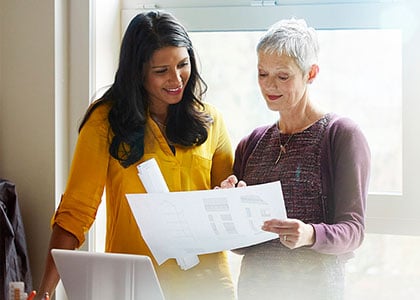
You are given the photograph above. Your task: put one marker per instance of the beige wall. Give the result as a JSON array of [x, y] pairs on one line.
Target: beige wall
[[42, 100], [27, 115]]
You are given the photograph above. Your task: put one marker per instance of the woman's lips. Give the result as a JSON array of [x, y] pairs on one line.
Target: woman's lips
[[273, 97], [174, 91]]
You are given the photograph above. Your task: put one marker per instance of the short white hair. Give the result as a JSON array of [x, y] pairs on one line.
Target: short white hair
[[294, 38]]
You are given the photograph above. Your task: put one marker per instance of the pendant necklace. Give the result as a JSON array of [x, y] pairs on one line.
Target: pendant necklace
[[283, 147]]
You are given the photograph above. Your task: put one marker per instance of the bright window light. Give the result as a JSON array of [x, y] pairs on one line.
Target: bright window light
[[360, 77]]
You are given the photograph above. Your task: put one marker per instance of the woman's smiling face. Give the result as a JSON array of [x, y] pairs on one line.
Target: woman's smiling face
[[282, 83], [167, 74]]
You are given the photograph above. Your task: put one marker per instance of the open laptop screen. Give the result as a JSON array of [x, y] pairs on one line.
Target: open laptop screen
[[95, 275]]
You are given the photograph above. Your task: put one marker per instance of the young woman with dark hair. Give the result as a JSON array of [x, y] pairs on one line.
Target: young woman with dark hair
[[154, 109]]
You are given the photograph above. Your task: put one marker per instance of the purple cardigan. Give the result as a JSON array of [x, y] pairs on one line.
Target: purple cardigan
[[345, 167]]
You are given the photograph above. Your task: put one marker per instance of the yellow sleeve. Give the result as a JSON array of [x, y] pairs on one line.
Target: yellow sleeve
[[222, 161], [87, 177]]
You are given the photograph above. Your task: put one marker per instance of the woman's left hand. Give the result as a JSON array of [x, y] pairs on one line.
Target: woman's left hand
[[293, 233], [231, 182]]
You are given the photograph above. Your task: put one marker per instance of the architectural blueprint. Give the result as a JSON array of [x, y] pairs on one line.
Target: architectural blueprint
[[182, 225]]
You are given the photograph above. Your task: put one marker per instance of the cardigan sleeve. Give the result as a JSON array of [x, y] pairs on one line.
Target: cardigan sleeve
[[346, 170]]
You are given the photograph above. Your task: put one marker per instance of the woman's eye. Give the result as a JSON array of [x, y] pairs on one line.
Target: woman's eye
[[183, 64], [262, 75], [160, 71]]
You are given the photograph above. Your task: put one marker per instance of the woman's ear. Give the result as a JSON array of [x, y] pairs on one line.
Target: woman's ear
[[313, 72]]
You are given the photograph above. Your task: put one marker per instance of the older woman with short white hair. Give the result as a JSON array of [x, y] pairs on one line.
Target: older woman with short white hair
[[323, 163]]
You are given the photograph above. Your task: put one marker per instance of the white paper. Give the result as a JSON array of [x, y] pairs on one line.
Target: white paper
[[184, 224], [153, 181], [151, 177], [187, 262]]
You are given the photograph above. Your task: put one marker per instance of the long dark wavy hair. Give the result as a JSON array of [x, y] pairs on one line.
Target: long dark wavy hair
[[187, 123]]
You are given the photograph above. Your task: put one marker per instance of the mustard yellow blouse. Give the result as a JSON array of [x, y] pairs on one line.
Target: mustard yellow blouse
[[192, 168]]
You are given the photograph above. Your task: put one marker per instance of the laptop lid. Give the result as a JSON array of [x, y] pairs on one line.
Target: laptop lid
[[95, 275]]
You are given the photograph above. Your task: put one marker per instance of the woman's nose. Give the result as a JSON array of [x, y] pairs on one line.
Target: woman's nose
[[175, 76], [270, 83]]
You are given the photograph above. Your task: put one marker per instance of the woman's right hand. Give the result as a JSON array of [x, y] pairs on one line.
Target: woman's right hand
[[231, 182]]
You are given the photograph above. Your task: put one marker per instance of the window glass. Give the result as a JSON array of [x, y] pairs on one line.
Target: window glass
[[384, 267], [360, 77]]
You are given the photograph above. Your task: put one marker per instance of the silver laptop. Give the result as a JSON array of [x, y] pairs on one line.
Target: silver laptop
[[102, 276]]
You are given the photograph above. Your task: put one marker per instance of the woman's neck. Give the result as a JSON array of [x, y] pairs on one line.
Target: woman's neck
[[293, 122], [159, 117]]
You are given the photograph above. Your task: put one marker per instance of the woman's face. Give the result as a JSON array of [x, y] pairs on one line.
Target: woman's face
[[167, 74], [282, 83]]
